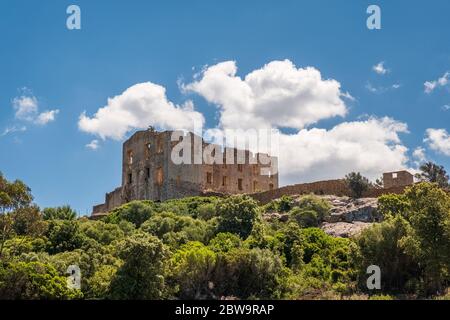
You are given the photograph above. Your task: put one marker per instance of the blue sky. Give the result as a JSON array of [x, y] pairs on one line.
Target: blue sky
[[124, 43]]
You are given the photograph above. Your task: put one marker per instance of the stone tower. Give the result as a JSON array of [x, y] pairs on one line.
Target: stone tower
[[397, 179]]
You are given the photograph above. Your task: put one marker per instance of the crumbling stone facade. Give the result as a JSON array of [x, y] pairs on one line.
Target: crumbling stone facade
[[148, 172]]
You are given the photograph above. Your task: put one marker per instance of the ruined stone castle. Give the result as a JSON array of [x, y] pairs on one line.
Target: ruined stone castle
[[149, 172]]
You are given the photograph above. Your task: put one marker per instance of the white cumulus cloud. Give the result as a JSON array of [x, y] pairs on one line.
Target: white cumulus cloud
[[140, 106], [371, 147], [27, 109], [278, 94], [438, 140], [419, 155], [380, 69], [93, 145], [46, 117], [441, 82]]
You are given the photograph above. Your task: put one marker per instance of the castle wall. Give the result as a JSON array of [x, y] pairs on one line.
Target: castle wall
[[114, 199], [330, 187]]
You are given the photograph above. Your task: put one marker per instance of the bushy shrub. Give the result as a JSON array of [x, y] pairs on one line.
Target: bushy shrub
[[283, 204], [102, 232], [304, 218], [326, 257], [59, 213], [191, 271], [33, 280], [136, 212], [224, 242], [64, 235], [383, 245], [390, 205], [247, 273], [416, 233], [186, 206], [237, 214], [176, 230], [290, 238], [316, 204], [142, 275], [206, 211], [24, 244]]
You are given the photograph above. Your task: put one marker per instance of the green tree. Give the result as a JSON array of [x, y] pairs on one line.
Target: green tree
[[25, 223], [191, 271], [190, 206], [431, 172], [393, 204], [412, 244], [305, 218], [64, 235], [176, 230], [251, 273], [13, 195], [99, 285], [206, 211], [28, 222], [6, 230], [429, 216], [19, 245], [237, 214], [285, 203], [224, 242], [291, 237], [379, 183], [314, 203], [33, 280], [102, 232], [59, 213], [91, 258], [357, 183], [383, 245], [136, 212], [142, 274]]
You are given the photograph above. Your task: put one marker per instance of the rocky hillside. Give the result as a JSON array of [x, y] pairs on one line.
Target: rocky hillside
[[348, 217]]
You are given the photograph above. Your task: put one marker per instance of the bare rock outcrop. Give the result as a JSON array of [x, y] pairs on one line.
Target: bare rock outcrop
[[345, 209], [276, 216], [344, 229], [348, 217]]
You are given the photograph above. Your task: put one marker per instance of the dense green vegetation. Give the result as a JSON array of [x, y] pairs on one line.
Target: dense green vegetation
[[209, 248]]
